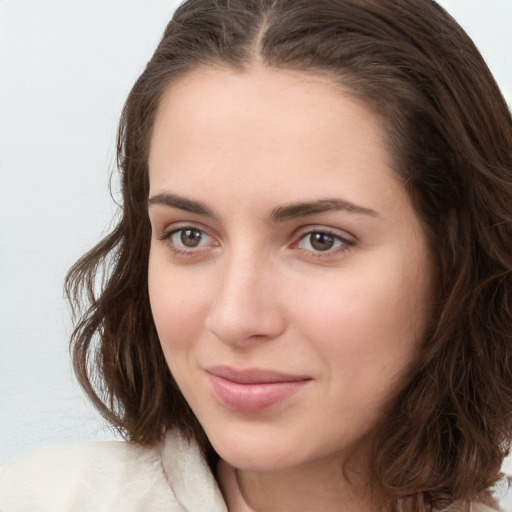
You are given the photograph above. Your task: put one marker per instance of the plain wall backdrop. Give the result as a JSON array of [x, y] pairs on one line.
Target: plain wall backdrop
[[65, 70]]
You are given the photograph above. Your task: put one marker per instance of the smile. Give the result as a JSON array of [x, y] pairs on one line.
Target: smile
[[252, 390]]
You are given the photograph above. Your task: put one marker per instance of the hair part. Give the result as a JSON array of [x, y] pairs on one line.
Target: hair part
[[450, 133]]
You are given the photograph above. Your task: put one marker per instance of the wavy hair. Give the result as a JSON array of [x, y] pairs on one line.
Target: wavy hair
[[450, 133]]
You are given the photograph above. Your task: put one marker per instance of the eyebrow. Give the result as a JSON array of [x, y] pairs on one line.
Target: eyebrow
[[294, 210], [279, 214], [181, 203]]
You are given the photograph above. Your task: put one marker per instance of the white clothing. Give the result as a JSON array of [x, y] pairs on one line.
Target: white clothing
[[115, 477], [111, 477]]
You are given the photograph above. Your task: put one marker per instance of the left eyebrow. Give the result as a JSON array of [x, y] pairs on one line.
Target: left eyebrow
[[305, 209]]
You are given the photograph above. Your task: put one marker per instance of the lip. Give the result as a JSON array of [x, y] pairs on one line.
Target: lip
[[252, 390]]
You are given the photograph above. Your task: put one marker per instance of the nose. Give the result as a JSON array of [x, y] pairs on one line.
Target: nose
[[246, 306]]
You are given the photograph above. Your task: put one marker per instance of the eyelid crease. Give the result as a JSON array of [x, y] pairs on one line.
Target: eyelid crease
[[167, 233], [336, 232], [179, 225]]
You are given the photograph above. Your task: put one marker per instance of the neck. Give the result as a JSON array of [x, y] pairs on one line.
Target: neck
[[321, 486]]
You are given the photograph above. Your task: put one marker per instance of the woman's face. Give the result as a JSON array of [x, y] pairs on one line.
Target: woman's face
[[289, 276]]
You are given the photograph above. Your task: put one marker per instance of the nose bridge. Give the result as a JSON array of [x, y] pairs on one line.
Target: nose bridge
[[245, 305]]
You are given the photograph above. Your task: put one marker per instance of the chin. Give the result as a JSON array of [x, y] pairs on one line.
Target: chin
[[259, 452], [257, 460]]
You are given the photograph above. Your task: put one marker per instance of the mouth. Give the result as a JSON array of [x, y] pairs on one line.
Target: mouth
[[252, 390]]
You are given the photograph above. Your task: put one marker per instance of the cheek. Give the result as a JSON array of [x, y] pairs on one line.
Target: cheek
[[178, 304], [369, 324]]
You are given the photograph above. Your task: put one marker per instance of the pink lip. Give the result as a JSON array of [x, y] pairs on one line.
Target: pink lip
[[252, 390]]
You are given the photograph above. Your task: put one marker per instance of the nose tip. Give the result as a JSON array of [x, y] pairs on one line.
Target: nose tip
[[245, 309]]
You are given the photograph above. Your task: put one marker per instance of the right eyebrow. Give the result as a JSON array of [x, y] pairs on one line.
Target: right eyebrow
[[181, 203]]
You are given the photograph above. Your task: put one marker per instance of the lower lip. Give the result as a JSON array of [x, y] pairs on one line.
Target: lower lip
[[252, 397]]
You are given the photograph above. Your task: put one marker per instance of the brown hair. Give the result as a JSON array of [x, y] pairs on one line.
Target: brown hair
[[450, 132]]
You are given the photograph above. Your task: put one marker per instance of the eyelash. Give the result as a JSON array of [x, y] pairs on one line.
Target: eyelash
[[167, 235], [344, 243]]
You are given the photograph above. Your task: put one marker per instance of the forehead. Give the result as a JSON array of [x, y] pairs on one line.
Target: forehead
[[292, 130], [262, 95]]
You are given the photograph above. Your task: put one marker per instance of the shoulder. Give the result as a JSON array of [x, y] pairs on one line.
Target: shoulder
[[89, 476]]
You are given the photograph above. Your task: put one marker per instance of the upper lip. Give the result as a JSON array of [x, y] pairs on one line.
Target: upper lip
[[253, 375]]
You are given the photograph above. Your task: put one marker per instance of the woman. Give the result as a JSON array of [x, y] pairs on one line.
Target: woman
[[306, 302]]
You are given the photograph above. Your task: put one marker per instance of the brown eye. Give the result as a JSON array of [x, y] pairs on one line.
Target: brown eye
[[321, 241], [190, 237]]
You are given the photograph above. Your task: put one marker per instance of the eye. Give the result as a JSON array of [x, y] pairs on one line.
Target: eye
[[187, 239], [323, 242]]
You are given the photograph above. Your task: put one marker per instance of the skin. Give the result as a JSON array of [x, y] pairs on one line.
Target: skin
[[258, 292]]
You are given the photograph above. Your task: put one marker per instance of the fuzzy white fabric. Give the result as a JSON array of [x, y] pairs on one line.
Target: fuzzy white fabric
[[111, 477], [115, 477]]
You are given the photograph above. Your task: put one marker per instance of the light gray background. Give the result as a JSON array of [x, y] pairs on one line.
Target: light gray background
[[65, 70]]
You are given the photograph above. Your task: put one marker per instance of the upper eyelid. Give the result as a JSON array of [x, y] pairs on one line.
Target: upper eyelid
[[166, 239], [339, 233], [348, 241], [178, 226]]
